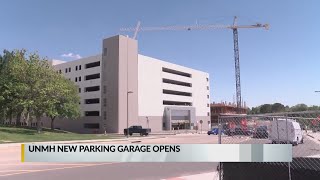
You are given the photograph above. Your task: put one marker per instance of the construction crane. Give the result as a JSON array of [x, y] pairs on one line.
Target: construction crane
[[233, 27]]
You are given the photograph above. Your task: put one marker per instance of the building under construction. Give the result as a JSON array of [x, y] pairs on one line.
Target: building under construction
[[224, 108]]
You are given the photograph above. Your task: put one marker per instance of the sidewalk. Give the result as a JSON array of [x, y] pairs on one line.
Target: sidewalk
[[83, 141], [315, 135], [203, 176]]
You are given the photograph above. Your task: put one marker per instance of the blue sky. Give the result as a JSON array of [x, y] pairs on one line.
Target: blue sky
[[278, 65]]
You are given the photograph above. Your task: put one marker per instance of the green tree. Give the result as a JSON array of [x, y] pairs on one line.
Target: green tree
[[266, 108], [314, 108], [30, 85], [67, 100], [277, 107], [299, 107]]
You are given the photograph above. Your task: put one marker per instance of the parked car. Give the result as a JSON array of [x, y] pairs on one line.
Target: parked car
[[261, 132], [137, 130], [239, 131], [215, 131], [285, 130]]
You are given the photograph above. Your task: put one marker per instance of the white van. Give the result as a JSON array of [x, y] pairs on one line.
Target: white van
[[278, 132]]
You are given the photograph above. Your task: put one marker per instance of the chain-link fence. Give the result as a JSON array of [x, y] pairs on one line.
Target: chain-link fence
[[301, 129]]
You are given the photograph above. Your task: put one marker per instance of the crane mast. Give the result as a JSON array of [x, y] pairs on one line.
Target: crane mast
[[234, 28], [237, 66]]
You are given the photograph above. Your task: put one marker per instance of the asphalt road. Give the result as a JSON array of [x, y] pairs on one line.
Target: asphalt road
[[12, 169]]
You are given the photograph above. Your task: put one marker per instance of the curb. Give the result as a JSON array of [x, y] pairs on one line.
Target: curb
[[80, 141]]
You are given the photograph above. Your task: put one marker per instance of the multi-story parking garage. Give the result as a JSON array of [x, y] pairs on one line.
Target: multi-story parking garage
[[154, 93]]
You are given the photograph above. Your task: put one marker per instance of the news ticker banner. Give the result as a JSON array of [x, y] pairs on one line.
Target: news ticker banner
[[156, 153]]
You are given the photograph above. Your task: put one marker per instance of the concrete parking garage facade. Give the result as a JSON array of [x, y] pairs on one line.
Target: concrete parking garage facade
[[155, 93]]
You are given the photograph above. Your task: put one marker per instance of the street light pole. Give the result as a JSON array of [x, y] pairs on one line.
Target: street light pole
[[128, 112], [147, 121]]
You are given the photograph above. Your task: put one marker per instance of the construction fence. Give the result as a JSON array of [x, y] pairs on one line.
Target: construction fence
[[301, 129]]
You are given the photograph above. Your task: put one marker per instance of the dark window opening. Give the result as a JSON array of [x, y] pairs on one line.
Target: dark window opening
[[207, 87], [76, 79], [104, 102], [178, 103], [91, 125], [76, 68], [66, 70], [93, 64], [92, 113], [104, 89], [93, 76], [208, 114], [104, 115], [92, 88], [207, 79], [208, 96], [169, 81], [60, 71], [92, 101], [79, 90], [79, 78], [79, 67], [176, 72], [69, 69], [180, 93]]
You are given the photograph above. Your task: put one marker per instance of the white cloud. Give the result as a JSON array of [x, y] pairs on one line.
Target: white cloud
[[71, 55]]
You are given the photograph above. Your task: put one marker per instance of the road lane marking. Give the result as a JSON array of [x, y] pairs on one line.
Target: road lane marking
[[14, 170], [52, 169]]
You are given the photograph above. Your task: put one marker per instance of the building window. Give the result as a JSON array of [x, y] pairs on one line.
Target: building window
[[164, 125], [79, 90], [76, 79], [177, 103], [105, 50], [104, 102], [92, 88], [93, 64], [66, 70], [167, 70], [105, 115], [208, 114], [208, 96], [92, 76], [207, 79], [208, 105], [79, 78], [179, 93], [180, 83], [79, 67], [60, 71], [92, 113], [104, 89], [76, 68], [207, 87], [91, 125], [92, 101], [69, 69]]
